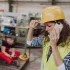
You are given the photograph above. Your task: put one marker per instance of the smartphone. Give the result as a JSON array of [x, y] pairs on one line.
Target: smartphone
[[58, 26]]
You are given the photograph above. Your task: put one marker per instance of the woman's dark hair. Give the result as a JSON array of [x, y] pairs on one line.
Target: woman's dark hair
[[65, 33]]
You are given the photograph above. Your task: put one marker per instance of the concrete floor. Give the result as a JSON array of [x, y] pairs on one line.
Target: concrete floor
[[35, 59]]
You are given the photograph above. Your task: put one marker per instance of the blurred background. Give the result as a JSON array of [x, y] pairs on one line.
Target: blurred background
[[15, 13], [29, 8]]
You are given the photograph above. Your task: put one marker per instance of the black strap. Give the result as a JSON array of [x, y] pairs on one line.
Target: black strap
[[49, 53]]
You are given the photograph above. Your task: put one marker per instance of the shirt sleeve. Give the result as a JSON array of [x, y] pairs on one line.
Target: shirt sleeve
[[66, 64], [36, 42], [61, 67], [67, 61], [29, 43]]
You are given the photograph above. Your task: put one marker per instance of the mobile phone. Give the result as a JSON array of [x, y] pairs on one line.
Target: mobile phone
[[58, 26]]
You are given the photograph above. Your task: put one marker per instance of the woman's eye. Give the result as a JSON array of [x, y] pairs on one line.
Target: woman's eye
[[49, 26]]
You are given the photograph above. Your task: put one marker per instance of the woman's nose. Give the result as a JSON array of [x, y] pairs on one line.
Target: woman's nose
[[47, 28]]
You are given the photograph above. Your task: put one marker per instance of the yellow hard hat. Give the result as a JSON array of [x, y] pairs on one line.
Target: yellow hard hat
[[52, 13]]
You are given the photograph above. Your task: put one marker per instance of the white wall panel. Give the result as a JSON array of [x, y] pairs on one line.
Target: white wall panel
[[31, 0], [29, 7], [22, 0], [41, 0], [4, 6], [44, 0], [2, 0], [63, 0]]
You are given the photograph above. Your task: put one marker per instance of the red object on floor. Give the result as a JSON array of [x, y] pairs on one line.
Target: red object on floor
[[8, 59]]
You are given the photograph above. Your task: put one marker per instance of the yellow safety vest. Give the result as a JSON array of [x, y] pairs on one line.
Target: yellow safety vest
[[50, 64]]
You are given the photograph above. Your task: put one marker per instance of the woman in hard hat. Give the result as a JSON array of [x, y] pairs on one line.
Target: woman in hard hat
[[56, 43]]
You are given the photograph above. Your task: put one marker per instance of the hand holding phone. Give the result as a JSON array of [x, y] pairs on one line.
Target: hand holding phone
[[55, 34], [58, 27]]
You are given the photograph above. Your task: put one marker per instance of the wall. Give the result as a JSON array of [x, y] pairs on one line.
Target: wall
[[63, 0], [33, 8], [36, 7], [29, 7], [4, 6]]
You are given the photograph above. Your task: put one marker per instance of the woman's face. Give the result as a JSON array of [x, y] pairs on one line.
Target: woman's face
[[49, 26]]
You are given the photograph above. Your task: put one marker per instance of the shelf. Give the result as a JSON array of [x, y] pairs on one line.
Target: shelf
[[21, 37], [21, 27]]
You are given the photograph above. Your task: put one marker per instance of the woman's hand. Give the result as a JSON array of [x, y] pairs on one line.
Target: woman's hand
[[54, 37], [34, 23]]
